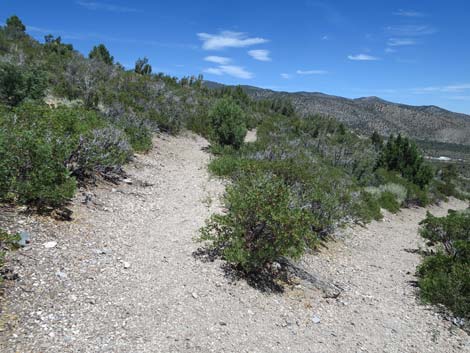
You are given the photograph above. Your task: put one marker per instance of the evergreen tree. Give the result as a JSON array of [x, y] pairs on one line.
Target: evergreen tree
[[14, 27], [143, 67], [101, 53]]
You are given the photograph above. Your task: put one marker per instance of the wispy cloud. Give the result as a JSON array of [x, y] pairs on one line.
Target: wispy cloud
[[102, 6], [311, 72], [325, 37], [231, 70], [286, 76], [397, 42], [460, 98], [408, 13], [456, 88], [221, 60], [330, 13], [363, 57], [260, 54], [410, 30], [228, 39], [390, 50]]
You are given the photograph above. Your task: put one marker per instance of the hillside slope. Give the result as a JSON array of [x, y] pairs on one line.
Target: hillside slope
[[371, 114], [122, 278]]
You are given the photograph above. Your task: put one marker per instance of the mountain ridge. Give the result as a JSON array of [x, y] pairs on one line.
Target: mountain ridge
[[369, 114]]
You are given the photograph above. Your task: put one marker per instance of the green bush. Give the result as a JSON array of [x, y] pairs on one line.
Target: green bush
[[367, 208], [8, 242], [263, 223], [43, 150], [444, 276], [228, 122], [19, 83], [388, 201], [32, 169]]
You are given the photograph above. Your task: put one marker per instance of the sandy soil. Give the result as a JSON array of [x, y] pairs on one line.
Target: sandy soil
[[123, 278]]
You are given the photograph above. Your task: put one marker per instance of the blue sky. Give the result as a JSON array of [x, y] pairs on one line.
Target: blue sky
[[413, 52]]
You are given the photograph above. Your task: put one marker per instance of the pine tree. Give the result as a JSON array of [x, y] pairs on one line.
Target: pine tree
[[101, 53]]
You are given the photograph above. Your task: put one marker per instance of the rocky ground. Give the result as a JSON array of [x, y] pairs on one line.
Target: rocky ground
[[122, 277]]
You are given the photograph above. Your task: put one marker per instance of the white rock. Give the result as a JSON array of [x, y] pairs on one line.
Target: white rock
[[50, 244], [315, 319], [126, 264], [195, 296]]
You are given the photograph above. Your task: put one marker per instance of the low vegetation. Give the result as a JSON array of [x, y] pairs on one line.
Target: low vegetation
[[444, 275], [8, 242], [323, 173]]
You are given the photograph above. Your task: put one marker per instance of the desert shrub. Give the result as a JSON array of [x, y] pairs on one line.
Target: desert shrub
[[43, 149], [390, 196], [263, 223], [414, 194], [397, 190], [444, 276], [228, 123], [367, 208], [8, 242], [19, 83], [226, 165], [388, 201], [32, 169], [138, 130], [102, 152]]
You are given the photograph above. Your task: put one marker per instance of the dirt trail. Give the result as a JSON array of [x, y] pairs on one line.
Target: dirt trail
[[122, 278]]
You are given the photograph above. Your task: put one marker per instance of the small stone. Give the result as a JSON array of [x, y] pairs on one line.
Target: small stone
[[61, 275], [195, 296], [127, 181], [126, 264], [24, 239], [50, 244], [315, 319]]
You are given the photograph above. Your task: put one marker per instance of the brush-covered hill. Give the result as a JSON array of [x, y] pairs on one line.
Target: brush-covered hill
[[371, 114]]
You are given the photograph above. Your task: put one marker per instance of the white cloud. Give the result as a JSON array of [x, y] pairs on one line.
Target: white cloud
[[214, 71], [410, 30], [408, 13], [311, 72], [96, 6], [460, 98], [260, 54], [443, 89], [228, 39], [363, 57], [231, 70], [390, 50], [286, 76], [397, 42], [221, 60], [325, 37]]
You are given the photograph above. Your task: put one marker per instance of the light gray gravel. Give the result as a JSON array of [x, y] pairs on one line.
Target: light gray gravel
[[122, 278]]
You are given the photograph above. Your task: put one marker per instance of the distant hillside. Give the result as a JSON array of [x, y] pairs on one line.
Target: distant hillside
[[374, 114]]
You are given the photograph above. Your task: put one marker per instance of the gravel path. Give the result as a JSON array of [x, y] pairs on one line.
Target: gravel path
[[122, 278]]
